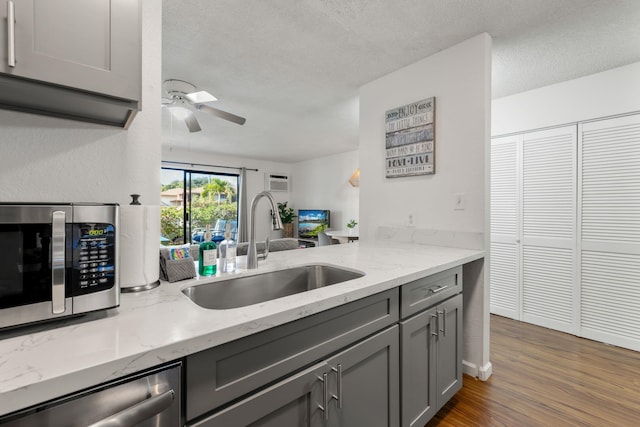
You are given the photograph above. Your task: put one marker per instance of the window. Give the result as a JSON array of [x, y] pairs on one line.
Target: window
[[192, 200]]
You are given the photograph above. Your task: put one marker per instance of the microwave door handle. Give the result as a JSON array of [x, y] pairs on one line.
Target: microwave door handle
[[58, 222], [139, 412]]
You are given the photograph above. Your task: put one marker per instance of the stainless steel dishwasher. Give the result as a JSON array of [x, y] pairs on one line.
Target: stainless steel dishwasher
[[151, 398]]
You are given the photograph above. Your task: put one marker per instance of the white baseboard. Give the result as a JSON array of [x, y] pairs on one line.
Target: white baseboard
[[482, 373]]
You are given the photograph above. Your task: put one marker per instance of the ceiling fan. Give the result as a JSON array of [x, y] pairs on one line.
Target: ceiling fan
[[182, 98]]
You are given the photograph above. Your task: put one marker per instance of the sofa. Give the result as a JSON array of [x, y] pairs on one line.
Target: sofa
[[275, 245]]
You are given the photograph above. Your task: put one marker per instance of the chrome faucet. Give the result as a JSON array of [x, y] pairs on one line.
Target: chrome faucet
[[252, 258]]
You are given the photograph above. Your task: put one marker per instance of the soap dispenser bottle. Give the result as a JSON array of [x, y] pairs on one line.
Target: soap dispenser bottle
[[207, 255], [228, 252]]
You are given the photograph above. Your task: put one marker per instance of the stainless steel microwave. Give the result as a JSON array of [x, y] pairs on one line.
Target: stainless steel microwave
[[57, 260]]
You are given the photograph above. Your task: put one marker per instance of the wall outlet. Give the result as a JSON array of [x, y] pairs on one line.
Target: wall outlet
[[459, 202]]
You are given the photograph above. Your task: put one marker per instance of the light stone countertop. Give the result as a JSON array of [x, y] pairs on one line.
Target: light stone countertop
[[45, 361]]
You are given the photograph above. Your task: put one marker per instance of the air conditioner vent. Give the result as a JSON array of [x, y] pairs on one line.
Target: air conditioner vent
[[276, 182]]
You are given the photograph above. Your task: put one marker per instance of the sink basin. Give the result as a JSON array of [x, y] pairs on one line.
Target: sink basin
[[247, 290]]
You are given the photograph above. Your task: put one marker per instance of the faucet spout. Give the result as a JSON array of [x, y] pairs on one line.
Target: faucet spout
[[252, 256]]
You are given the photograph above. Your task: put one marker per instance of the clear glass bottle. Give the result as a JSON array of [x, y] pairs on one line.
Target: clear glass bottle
[[228, 252], [207, 255]]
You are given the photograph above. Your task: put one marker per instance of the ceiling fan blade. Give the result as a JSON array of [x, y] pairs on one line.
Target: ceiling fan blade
[[222, 114], [192, 123]]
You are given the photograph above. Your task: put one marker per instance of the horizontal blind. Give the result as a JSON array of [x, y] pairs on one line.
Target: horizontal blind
[[611, 182], [549, 183]]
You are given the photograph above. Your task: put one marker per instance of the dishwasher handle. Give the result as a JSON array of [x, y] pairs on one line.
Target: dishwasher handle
[[138, 412]]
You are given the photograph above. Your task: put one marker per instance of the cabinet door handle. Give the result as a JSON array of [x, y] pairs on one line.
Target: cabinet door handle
[[11, 34], [338, 371], [325, 396], [437, 318], [438, 289], [444, 321]]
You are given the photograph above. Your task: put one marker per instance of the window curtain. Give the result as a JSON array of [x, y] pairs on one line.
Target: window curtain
[[242, 208]]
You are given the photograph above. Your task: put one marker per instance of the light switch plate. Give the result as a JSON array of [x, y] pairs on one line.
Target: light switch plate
[[459, 202]]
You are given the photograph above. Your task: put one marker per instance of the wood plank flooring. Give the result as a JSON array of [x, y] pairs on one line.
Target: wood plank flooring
[[548, 378]]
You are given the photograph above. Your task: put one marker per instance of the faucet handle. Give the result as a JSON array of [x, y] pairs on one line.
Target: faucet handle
[[266, 247], [265, 254]]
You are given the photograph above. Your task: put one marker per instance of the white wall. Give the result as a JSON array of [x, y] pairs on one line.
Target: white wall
[[255, 180], [55, 160], [460, 80], [612, 92], [323, 183]]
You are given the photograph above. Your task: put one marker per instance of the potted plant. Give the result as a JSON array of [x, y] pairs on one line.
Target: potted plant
[[351, 225], [287, 215]]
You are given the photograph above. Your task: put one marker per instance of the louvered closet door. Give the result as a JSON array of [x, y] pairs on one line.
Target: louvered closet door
[[504, 272], [610, 231], [548, 228]]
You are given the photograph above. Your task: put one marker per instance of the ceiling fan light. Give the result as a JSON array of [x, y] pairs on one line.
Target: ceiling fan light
[[180, 113], [200, 97]]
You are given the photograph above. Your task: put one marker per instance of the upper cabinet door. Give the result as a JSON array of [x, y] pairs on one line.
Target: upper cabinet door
[[89, 45]]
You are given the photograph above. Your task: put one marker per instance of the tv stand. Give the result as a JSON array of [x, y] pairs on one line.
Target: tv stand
[[308, 243]]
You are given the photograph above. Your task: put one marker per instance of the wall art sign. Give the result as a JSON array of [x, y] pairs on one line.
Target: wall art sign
[[410, 139]]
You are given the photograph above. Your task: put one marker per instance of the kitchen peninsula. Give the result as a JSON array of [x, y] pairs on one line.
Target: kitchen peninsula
[[162, 325]]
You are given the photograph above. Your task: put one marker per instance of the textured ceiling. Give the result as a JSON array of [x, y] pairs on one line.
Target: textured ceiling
[[293, 67]]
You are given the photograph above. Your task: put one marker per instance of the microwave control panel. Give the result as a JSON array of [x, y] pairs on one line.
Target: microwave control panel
[[94, 263]]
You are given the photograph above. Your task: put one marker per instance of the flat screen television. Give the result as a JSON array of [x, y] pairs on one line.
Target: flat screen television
[[312, 221]]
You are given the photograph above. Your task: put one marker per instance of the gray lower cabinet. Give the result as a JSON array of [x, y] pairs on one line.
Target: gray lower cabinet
[[394, 358], [367, 383], [431, 360], [293, 402], [218, 376], [357, 387], [448, 350]]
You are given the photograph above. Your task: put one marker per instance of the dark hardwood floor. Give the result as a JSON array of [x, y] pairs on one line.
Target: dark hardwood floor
[[547, 378]]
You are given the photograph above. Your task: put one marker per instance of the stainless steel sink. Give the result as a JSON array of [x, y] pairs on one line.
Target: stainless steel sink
[[247, 290]]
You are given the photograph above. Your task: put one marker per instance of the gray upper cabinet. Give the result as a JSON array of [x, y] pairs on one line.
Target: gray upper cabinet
[[72, 58]]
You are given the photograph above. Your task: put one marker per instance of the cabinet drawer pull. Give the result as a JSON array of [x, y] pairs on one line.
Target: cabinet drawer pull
[[325, 396], [11, 34], [338, 372], [440, 288]]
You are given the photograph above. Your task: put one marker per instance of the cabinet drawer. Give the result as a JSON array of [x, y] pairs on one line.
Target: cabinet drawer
[[423, 293], [219, 375]]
